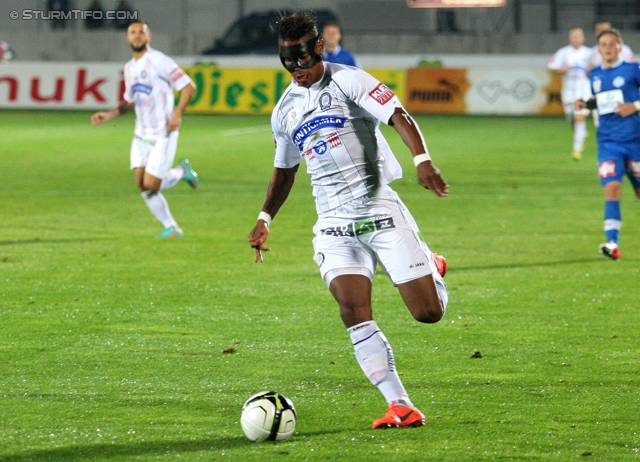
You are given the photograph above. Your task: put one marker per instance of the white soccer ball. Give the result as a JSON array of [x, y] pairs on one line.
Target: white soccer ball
[[268, 416]]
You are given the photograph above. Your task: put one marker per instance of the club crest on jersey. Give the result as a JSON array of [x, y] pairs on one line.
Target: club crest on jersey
[[312, 126], [618, 82], [143, 74], [325, 101], [382, 94], [320, 148]]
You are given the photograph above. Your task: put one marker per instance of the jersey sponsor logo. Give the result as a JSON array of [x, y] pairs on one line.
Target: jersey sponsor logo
[[382, 94], [334, 140], [618, 82], [176, 74], [325, 101], [597, 85], [142, 88], [358, 228], [607, 169], [320, 148], [315, 124], [309, 154]]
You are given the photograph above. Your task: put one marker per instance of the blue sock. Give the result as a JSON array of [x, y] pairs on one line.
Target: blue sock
[[612, 220]]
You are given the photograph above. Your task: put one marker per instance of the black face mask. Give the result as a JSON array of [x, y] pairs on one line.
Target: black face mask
[[293, 53]]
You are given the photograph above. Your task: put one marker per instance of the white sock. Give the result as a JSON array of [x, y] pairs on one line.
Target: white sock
[[171, 179], [159, 208], [579, 135], [375, 357]]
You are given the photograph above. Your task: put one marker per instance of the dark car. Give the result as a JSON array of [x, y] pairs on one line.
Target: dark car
[[256, 34]]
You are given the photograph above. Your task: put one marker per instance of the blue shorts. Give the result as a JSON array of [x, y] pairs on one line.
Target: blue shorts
[[617, 159]]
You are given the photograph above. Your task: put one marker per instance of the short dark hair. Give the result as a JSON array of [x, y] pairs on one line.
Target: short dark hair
[[297, 25], [612, 31]]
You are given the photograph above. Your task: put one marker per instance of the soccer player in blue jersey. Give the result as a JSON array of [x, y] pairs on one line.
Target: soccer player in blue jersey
[[333, 52], [615, 85]]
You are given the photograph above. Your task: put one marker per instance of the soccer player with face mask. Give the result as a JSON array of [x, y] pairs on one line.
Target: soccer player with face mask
[[615, 85], [330, 116]]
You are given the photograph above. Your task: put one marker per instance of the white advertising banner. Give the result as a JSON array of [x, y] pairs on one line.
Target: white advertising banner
[[60, 85], [507, 91], [477, 90]]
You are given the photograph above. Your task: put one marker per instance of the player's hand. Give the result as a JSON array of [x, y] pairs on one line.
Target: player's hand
[[99, 118], [429, 177], [258, 236], [174, 123], [579, 104], [626, 109]]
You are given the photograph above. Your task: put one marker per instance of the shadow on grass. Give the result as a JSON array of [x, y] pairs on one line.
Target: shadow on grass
[[524, 265], [108, 451], [37, 240]]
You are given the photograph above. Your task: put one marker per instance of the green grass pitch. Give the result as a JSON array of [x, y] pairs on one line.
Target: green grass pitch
[[111, 341]]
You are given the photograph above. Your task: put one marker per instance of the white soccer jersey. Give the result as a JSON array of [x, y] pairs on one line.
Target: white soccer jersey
[[596, 58], [334, 126], [573, 80], [150, 82]]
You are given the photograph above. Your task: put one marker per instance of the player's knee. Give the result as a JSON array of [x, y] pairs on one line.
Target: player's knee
[[429, 312]]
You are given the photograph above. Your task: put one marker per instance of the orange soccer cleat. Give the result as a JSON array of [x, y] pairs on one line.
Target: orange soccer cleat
[[441, 263], [400, 416]]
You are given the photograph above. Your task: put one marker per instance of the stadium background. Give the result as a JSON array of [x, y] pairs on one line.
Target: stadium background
[[494, 58]]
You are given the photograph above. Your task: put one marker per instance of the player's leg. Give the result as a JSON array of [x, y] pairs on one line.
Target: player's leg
[[611, 170], [161, 155], [579, 133], [410, 264], [348, 268], [372, 350]]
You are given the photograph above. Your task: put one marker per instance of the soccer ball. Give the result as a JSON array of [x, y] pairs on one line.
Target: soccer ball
[[268, 416]]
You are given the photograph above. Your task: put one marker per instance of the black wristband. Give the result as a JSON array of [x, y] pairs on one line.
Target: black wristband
[[591, 104]]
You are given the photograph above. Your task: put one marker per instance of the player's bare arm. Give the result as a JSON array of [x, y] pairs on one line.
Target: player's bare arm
[[102, 117], [278, 190], [185, 98], [429, 176]]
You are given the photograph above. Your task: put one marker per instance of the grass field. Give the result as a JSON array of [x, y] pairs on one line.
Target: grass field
[[111, 341]]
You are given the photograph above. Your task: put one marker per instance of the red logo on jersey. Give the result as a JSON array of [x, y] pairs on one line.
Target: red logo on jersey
[[176, 74], [606, 169], [334, 140], [382, 94]]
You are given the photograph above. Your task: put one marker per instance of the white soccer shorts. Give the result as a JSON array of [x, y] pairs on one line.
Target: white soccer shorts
[[155, 155], [354, 237]]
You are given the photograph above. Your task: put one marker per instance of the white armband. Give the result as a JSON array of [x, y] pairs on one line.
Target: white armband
[[637, 105], [266, 217], [420, 158]]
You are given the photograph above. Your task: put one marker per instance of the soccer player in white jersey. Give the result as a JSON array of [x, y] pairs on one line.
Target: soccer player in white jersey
[[329, 116], [150, 80], [572, 61]]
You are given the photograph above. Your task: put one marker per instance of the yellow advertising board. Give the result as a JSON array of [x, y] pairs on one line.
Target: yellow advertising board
[[436, 90], [553, 106], [256, 91]]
